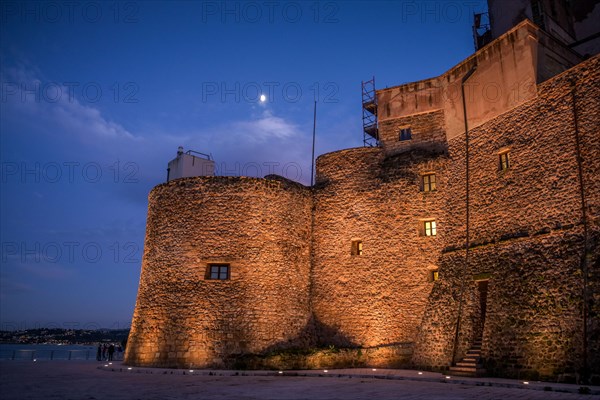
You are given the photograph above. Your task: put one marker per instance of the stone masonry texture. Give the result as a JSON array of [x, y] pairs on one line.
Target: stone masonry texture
[[527, 236], [532, 240], [261, 228]]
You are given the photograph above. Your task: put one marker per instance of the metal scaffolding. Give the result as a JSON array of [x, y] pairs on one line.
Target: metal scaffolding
[[369, 113], [482, 33]]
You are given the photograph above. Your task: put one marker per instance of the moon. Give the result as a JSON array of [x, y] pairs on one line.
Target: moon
[[263, 98]]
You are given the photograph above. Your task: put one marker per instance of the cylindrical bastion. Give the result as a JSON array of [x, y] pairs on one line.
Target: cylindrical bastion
[[255, 233]]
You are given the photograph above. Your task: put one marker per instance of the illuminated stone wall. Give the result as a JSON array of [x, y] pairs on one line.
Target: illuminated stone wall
[[296, 283], [506, 74], [527, 236], [427, 130], [261, 227], [376, 298]]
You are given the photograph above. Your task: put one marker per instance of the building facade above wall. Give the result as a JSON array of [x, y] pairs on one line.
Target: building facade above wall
[[504, 75]]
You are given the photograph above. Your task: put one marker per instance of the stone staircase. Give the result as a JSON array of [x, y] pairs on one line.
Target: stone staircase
[[470, 365]]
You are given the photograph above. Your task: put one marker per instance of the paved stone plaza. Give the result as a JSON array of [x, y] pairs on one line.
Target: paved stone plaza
[[89, 380]]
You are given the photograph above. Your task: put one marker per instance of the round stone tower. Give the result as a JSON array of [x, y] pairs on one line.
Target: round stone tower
[[225, 271]]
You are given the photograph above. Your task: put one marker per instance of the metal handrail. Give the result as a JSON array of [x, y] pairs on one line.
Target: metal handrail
[[208, 157]]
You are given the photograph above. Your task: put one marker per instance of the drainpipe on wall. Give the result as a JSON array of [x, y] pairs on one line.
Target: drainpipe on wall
[[312, 260], [313, 210], [586, 244], [467, 233]]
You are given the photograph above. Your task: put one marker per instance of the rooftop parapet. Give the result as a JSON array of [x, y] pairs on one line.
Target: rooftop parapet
[[506, 74]]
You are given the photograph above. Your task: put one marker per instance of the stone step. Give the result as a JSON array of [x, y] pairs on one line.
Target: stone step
[[472, 369], [469, 365], [478, 372], [464, 363]]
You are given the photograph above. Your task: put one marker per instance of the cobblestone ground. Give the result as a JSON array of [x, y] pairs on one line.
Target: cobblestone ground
[[81, 380]]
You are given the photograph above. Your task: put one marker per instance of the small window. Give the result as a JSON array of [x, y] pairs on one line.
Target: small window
[[504, 160], [429, 228], [435, 275], [405, 134], [218, 272], [428, 182], [357, 248]]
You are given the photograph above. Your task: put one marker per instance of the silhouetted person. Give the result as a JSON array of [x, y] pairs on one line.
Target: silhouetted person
[[104, 351], [111, 351], [99, 353]]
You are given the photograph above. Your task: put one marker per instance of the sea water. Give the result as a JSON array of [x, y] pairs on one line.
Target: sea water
[[35, 352]]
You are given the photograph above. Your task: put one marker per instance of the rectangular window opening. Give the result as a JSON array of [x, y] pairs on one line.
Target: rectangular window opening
[[504, 159], [428, 183], [405, 134], [357, 248], [429, 228], [435, 275], [218, 272]]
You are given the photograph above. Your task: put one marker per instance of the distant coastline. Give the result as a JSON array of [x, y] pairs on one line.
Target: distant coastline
[[51, 336]]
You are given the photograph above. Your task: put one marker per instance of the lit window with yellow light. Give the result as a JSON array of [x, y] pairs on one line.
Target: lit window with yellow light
[[357, 248], [504, 160], [428, 182], [429, 228]]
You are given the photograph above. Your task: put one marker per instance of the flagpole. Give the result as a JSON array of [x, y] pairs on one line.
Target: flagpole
[[312, 167]]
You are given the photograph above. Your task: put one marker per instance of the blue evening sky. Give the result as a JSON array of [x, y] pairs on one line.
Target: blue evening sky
[[96, 97]]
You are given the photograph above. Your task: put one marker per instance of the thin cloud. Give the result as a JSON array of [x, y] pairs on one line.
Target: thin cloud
[[26, 93], [266, 127], [235, 142], [76, 117], [47, 270], [10, 287]]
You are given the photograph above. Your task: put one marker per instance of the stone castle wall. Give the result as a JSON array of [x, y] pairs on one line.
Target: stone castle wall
[[506, 76], [427, 132], [366, 194], [295, 282], [261, 228], [527, 235], [375, 298]]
